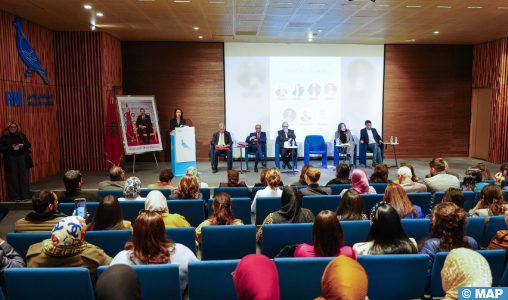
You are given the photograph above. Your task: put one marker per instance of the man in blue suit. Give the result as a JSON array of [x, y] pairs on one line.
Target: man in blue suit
[[286, 135], [257, 142], [374, 142]]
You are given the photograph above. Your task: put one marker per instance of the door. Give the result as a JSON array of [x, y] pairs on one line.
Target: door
[[479, 139]]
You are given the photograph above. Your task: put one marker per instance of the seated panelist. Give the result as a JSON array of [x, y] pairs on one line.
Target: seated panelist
[[286, 135], [221, 142], [257, 141]]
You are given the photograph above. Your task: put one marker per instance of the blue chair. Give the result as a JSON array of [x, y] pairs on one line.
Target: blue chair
[[407, 272], [438, 198], [422, 200], [156, 281], [495, 224], [249, 153], [416, 228], [505, 194], [300, 278], [496, 260], [39, 283], [369, 201], [337, 153], [144, 192], [234, 192], [379, 187], [212, 279], [488, 181], [264, 206], [255, 190], [504, 279], [193, 210], [315, 144], [205, 193], [240, 208], [475, 228], [115, 193], [68, 208], [363, 154], [183, 235], [221, 154], [277, 154], [436, 289], [22, 241], [337, 188], [277, 236], [111, 241], [470, 200], [354, 231], [318, 203], [130, 209], [214, 238]]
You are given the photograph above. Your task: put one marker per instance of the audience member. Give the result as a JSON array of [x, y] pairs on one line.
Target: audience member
[[272, 190], [351, 207], [360, 183], [233, 180], [150, 246], [406, 182], [380, 174], [502, 176], [165, 177], [44, 216], [262, 178], [73, 181], [464, 267], [472, 180], [485, 171], [447, 170], [301, 180], [9, 258], [455, 196], [341, 175], [118, 282], [289, 212], [397, 197], [414, 178], [156, 202], [491, 202], [116, 180], [222, 215], [344, 279], [440, 180], [386, 235], [132, 189], [194, 172], [67, 248], [256, 278], [188, 188], [327, 238], [313, 189], [108, 216], [500, 240]]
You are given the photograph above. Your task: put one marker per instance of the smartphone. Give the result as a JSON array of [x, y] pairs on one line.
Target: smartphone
[[80, 206]]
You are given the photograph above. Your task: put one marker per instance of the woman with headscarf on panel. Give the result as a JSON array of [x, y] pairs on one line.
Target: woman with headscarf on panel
[[256, 278]]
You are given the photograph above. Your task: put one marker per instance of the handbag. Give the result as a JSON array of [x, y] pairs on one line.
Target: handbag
[[499, 241]]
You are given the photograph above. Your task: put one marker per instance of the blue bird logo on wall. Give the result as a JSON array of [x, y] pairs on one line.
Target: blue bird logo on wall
[[27, 53]]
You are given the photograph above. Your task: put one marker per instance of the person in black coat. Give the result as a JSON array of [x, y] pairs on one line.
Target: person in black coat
[[222, 143], [257, 142], [177, 121], [145, 127], [373, 141], [286, 135], [17, 161]]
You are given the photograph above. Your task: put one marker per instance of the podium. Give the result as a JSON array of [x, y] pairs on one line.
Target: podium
[[183, 150]]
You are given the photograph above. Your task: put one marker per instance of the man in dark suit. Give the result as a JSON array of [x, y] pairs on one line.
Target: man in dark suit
[[222, 143], [374, 142], [73, 181], [145, 127], [286, 135], [257, 142], [313, 189]]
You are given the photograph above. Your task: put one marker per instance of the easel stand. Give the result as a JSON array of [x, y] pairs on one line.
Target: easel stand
[[134, 161]]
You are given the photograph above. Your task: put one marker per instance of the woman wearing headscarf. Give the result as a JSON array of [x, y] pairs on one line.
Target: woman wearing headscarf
[[256, 278], [360, 183], [344, 278], [118, 282], [464, 267], [132, 189], [290, 212], [156, 202]]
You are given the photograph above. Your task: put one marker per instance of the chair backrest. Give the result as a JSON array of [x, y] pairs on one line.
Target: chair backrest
[[438, 197], [300, 278], [504, 278], [369, 201], [111, 241], [156, 281], [234, 192], [240, 208], [144, 192], [416, 228], [130, 209], [505, 194], [470, 200], [216, 241], [337, 188], [407, 275], [475, 228], [354, 231], [183, 235], [436, 289], [277, 236], [192, 209], [39, 283], [205, 192], [318, 203], [496, 260], [264, 206], [422, 200], [68, 208], [255, 190], [212, 279], [379, 187], [115, 193], [495, 224], [22, 241], [315, 142]]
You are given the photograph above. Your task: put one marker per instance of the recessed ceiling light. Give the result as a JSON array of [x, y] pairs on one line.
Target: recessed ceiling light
[[410, 41], [413, 6], [475, 7], [182, 1], [99, 14], [502, 7], [195, 28], [87, 6], [443, 6], [92, 27], [381, 5], [200, 37], [436, 32], [216, 2]]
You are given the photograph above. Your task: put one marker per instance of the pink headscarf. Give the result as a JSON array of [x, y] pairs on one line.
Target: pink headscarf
[[256, 278], [360, 181]]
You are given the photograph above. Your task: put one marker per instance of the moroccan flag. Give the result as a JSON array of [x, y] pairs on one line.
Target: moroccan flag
[[112, 139]]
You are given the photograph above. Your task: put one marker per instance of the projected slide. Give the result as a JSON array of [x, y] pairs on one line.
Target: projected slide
[[312, 88]]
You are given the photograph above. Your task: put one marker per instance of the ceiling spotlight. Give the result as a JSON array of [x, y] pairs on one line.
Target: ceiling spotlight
[[92, 27], [200, 37], [195, 28], [99, 14], [87, 6], [436, 32]]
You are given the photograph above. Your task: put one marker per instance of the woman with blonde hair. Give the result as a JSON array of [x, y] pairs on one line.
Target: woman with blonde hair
[[271, 190], [188, 188], [301, 179], [397, 197], [192, 171]]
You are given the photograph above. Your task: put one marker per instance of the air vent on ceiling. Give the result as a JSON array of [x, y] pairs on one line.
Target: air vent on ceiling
[[246, 33]]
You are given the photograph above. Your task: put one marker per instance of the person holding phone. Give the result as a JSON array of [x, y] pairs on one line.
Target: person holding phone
[[15, 148]]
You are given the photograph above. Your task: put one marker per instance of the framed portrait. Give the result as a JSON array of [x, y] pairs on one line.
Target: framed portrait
[[140, 124]]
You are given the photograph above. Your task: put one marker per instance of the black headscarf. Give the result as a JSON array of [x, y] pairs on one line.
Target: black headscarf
[[290, 211]]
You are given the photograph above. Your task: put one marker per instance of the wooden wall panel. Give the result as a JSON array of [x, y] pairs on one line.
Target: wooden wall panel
[[38, 122], [490, 70], [427, 99], [189, 76]]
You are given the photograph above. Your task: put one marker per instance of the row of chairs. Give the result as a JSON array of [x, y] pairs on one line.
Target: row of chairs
[[299, 278]]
